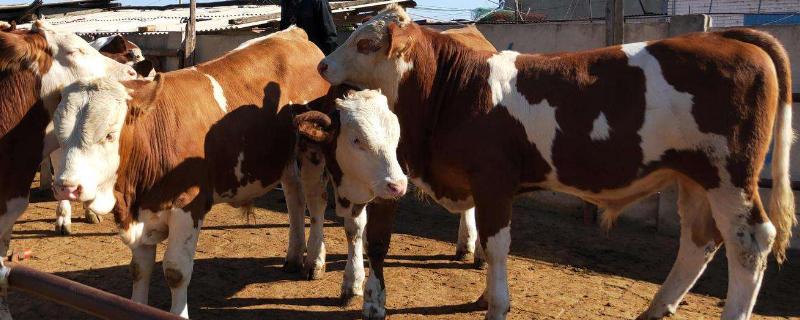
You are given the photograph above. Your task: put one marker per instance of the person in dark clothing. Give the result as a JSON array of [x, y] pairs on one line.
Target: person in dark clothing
[[315, 17]]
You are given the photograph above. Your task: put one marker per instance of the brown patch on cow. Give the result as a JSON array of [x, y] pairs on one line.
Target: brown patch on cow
[[581, 86], [357, 208], [695, 164], [24, 117], [471, 37], [343, 202], [173, 277], [734, 93]]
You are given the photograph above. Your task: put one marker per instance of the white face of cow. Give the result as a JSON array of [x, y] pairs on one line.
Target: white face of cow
[[370, 58], [88, 122], [74, 59], [363, 147]]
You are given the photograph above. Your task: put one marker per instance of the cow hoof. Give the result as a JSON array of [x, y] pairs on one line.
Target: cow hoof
[[481, 303], [655, 314], [64, 230], [371, 313], [292, 266], [479, 264], [464, 256], [313, 272], [92, 217], [348, 300]]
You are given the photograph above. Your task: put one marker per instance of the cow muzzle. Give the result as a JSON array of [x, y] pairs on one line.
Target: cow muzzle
[[67, 192]]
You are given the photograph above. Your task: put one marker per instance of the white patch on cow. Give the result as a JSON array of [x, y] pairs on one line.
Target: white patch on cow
[[101, 42], [237, 170], [467, 232], [668, 123], [14, 209], [262, 38], [600, 128], [149, 229], [454, 206], [219, 95], [497, 247], [539, 120], [73, 59], [179, 257], [374, 298], [367, 148]]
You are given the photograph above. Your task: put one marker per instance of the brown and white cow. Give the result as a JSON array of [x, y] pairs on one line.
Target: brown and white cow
[[117, 47], [162, 152], [123, 51], [35, 65], [610, 125]]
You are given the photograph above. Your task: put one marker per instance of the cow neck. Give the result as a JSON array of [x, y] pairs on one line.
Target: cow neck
[[161, 148], [22, 54], [439, 92]]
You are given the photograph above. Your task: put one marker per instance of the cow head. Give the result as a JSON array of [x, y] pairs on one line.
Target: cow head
[[359, 140], [72, 59], [375, 56], [118, 48], [88, 123]]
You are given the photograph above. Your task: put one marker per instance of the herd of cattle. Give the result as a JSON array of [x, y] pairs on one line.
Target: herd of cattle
[[469, 126]]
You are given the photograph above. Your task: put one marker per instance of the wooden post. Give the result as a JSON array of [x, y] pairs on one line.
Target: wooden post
[[189, 42], [615, 19]]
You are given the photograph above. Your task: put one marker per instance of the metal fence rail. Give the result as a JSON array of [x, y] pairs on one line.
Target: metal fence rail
[[75, 295]]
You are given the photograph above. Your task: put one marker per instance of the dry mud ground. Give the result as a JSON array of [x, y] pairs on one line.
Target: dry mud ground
[[558, 268]]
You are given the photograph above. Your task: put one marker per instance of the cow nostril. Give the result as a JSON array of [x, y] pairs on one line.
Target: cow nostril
[[393, 187], [322, 67]]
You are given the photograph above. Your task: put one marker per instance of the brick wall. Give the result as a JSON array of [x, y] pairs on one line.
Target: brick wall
[[679, 7]]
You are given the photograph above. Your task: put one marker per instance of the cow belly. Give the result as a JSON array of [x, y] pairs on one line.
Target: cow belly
[[150, 229], [245, 193], [452, 205]]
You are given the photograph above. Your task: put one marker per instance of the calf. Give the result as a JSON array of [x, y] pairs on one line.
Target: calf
[[162, 152], [35, 65], [610, 125]]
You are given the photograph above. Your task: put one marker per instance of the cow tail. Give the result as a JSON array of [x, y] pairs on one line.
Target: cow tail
[[781, 203]]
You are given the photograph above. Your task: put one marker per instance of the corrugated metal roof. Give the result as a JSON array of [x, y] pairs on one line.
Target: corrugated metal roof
[[122, 20], [129, 20]]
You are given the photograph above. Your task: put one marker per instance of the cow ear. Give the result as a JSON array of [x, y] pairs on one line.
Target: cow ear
[[314, 125], [400, 40], [116, 45], [143, 68]]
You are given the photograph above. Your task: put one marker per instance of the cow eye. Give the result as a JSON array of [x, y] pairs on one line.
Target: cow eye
[[356, 141], [367, 46], [110, 137]]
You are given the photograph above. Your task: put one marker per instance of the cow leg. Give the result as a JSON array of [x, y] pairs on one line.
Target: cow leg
[[748, 235], [144, 257], [46, 175], [379, 234], [295, 205], [312, 176], [467, 236], [698, 244], [14, 209], [352, 285], [493, 196], [64, 217], [179, 258]]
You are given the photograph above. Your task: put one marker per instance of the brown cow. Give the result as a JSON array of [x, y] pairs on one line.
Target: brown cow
[[610, 125], [34, 66], [162, 152]]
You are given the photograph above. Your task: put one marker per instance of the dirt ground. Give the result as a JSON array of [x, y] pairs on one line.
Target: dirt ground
[[558, 269]]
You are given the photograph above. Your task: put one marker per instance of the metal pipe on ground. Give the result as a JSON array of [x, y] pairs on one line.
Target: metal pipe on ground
[[76, 295]]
